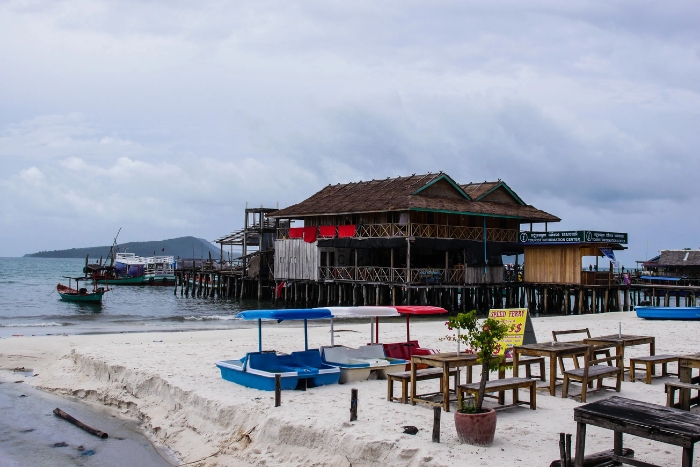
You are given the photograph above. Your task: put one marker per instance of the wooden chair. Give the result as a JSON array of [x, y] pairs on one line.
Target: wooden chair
[[594, 370], [575, 358]]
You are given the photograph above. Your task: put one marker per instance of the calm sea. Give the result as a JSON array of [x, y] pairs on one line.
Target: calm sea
[[29, 304]]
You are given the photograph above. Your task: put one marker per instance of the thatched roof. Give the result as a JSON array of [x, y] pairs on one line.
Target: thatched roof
[[431, 192], [679, 258]]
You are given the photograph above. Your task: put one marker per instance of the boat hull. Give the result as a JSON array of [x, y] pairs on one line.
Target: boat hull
[[122, 281], [690, 313], [240, 372], [159, 280], [82, 298]]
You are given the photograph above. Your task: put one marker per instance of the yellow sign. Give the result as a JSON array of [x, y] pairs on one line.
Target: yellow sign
[[515, 318]]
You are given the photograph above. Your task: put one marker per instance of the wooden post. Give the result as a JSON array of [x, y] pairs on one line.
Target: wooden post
[[562, 449], [353, 405], [607, 298], [436, 424], [391, 270], [278, 390], [408, 266], [594, 303]]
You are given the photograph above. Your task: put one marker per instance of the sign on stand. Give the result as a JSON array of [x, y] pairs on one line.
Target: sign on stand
[[521, 329]]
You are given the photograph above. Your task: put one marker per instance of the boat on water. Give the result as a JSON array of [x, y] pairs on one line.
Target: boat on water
[[80, 294], [257, 370], [159, 270], [675, 313]]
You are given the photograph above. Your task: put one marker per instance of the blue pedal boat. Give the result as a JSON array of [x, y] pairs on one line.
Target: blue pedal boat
[[687, 313], [258, 369]]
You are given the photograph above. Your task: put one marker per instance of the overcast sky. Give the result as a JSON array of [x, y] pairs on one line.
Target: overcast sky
[[164, 118]]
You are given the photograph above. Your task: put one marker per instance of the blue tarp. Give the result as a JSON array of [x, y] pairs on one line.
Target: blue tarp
[[659, 278], [281, 315]]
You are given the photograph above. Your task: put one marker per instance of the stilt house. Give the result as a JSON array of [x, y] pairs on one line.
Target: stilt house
[[408, 231]]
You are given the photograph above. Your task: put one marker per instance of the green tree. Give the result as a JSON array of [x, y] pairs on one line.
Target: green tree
[[483, 338]]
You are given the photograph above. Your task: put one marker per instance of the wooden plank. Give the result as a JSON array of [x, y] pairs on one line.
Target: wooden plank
[[593, 460]]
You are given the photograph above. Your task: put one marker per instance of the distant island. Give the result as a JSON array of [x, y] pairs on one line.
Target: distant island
[[182, 247]]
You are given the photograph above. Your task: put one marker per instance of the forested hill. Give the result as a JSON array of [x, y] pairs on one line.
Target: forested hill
[[182, 247]]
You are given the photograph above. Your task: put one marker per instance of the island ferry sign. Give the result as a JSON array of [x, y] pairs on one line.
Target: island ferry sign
[[573, 236]]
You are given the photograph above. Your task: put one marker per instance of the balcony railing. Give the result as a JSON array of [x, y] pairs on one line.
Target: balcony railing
[[428, 276], [422, 230]]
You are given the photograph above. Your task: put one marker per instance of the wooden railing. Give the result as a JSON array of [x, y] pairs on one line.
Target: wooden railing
[[428, 276], [425, 231]]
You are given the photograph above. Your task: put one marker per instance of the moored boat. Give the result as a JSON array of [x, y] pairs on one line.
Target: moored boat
[[159, 270], [674, 313], [80, 294]]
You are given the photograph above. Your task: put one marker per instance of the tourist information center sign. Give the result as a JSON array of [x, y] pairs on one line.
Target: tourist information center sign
[[521, 330], [572, 236]]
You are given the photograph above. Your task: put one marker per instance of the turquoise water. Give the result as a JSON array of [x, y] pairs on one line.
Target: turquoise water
[[30, 305]]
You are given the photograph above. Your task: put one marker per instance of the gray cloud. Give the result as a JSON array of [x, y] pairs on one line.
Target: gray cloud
[[167, 118]]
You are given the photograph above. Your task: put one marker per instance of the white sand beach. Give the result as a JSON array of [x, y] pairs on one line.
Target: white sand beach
[[170, 382]]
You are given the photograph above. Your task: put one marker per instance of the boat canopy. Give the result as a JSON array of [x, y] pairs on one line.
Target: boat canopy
[[362, 311], [409, 310], [282, 315], [420, 310]]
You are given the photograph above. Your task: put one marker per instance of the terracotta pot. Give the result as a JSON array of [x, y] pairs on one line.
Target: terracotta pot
[[476, 428]]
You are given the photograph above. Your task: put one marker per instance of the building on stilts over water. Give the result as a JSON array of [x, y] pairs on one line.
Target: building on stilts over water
[[420, 239]]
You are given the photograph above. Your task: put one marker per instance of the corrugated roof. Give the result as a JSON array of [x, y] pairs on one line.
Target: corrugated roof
[[679, 258], [402, 194]]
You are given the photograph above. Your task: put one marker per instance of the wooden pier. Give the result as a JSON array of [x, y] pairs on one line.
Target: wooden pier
[[423, 240]]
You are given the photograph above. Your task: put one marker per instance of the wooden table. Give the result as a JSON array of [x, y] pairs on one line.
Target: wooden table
[[446, 361], [553, 350], [650, 421], [627, 340], [685, 374]]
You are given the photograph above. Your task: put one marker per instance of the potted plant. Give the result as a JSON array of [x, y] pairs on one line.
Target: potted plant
[[474, 424]]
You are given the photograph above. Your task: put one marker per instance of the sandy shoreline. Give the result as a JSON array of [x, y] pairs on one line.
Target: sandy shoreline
[[169, 380]]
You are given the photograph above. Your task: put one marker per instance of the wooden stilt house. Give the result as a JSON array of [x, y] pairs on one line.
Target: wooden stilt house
[[411, 232]]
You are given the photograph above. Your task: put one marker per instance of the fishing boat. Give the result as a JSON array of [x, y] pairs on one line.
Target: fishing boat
[[299, 369], [662, 312], [159, 270], [80, 294], [360, 363]]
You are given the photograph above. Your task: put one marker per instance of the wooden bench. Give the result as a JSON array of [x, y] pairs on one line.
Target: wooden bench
[[649, 363], [404, 377], [673, 386], [500, 386], [527, 362]]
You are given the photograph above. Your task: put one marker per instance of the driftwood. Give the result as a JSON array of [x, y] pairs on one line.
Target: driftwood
[[79, 424], [599, 459]]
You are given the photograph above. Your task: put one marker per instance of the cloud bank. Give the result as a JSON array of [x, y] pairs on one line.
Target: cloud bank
[[165, 119]]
